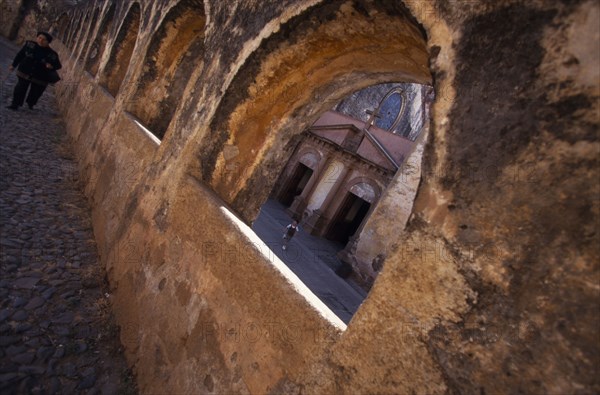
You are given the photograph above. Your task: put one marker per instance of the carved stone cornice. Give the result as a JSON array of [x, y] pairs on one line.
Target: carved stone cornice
[[350, 157]]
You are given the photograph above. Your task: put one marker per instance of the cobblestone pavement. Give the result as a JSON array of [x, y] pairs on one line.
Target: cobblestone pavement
[[57, 334]]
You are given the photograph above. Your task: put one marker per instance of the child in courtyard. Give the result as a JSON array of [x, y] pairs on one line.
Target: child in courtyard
[[290, 231]]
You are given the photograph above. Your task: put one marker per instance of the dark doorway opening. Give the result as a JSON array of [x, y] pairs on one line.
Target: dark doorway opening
[[296, 184], [348, 218]]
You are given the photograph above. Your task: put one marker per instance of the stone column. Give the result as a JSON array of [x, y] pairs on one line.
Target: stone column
[[327, 209], [301, 201], [316, 179]]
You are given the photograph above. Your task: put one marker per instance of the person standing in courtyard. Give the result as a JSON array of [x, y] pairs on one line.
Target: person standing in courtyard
[[36, 65], [290, 231]]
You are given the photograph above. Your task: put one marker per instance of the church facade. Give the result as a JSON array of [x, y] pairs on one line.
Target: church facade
[[345, 161]]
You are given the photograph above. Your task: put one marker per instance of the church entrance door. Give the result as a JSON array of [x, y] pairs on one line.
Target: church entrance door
[[349, 216], [295, 185]]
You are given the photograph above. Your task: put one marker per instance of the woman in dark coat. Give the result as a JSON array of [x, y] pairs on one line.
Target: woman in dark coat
[[37, 64]]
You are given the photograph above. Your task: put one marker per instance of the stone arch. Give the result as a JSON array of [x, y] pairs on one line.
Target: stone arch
[[315, 60], [61, 26], [426, 326], [370, 188], [301, 163], [87, 37], [175, 51], [75, 27], [310, 157], [78, 33], [69, 28], [81, 34], [362, 187], [122, 49], [98, 45]]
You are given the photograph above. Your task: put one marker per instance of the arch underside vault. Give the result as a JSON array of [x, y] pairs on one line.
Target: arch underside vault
[[296, 75], [175, 51], [122, 50]]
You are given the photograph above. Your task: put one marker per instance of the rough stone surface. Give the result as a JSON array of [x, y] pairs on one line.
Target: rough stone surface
[[47, 252], [20, 19], [492, 288]]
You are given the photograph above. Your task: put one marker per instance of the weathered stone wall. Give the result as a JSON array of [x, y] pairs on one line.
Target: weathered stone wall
[[382, 230], [20, 20], [493, 288], [510, 189], [11, 15]]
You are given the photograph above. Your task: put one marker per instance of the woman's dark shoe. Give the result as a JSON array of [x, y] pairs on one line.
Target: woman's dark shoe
[[12, 107]]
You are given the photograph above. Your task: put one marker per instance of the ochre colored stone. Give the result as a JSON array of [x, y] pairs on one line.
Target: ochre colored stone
[[492, 287]]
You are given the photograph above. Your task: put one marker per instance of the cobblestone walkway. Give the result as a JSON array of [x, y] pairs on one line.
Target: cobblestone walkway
[[56, 330]]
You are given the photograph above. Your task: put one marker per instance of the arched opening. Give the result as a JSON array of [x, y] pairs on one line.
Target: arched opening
[[297, 87], [99, 43], [88, 34], [82, 32], [71, 41], [299, 81], [61, 26], [296, 184], [69, 29], [348, 218], [341, 169], [122, 49], [75, 33], [174, 52]]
